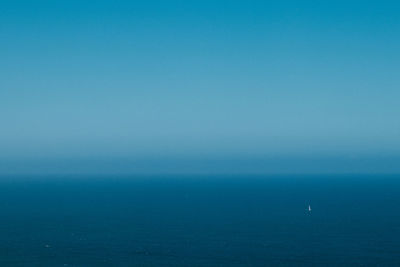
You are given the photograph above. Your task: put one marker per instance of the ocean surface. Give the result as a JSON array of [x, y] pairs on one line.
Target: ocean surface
[[200, 221]]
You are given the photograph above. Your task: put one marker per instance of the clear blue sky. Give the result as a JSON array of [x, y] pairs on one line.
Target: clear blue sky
[[279, 86]]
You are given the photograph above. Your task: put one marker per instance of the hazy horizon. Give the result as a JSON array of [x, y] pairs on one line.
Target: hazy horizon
[[209, 87]]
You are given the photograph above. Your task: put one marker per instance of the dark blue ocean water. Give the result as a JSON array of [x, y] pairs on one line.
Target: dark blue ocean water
[[200, 221]]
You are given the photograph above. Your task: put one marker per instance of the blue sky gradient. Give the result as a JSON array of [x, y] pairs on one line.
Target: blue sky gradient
[[199, 86]]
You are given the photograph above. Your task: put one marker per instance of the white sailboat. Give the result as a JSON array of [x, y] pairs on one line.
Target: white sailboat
[[309, 208]]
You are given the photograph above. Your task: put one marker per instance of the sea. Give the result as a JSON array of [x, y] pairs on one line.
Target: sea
[[200, 220]]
